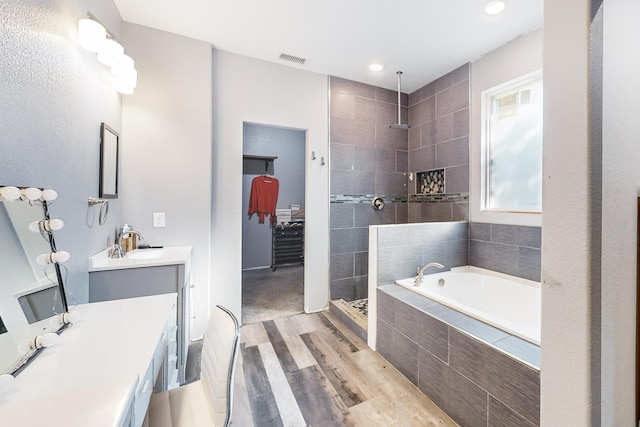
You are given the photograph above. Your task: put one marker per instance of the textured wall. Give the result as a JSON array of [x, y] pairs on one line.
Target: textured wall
[[54, 97], [620, 186], [570, 294]]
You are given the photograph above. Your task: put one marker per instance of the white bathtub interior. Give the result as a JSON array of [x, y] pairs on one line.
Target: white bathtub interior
[[500, 300]]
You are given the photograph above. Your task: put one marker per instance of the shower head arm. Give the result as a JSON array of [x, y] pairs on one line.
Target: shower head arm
[[399, 124]]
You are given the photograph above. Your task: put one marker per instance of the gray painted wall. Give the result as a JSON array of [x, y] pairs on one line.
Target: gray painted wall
[[167, 162], [288, 145], [54, 97]]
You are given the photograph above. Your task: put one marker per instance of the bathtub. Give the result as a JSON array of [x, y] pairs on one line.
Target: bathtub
[[506, 302]]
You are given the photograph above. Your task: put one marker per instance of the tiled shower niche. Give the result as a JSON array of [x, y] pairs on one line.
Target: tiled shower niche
[[430, 182]]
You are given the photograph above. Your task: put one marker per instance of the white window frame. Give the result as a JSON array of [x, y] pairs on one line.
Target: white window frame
[[519, 57], [514, 85]]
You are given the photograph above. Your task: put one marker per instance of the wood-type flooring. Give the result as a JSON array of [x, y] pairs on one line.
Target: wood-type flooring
[[309, 370]]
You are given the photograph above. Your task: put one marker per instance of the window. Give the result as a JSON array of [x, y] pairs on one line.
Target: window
[[512, 146]]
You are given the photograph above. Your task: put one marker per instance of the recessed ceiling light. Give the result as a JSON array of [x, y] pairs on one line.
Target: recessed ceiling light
[[376, 67], [494, 7]]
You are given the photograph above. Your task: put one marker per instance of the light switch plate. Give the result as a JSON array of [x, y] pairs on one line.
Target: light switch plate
[[158, 219]]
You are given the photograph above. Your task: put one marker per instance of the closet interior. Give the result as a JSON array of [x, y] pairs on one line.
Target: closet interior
[[273, 222]]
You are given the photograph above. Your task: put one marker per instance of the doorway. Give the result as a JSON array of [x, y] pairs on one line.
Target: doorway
[[273, 251]]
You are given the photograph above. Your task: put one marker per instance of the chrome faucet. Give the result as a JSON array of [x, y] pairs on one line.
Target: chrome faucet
[[418, 279]]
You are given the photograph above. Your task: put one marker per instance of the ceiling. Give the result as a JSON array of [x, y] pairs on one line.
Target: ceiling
[[422, 38]]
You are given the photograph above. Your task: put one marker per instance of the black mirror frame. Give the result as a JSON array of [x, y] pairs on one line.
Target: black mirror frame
[[106, 169]]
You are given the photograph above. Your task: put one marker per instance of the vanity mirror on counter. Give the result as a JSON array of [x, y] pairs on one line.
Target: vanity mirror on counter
[[33, 303]]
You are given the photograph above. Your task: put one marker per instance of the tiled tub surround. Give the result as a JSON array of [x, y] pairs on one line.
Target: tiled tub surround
[[398, 250], [509, 249], [445, 354], [476, 373]]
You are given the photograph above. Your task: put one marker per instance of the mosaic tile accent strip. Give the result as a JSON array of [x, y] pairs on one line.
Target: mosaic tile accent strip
[[439, 198], [397, 198], [366, 198], [431, 182]]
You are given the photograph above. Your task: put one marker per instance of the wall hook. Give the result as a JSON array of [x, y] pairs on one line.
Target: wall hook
[[322, 161], [313, 155]]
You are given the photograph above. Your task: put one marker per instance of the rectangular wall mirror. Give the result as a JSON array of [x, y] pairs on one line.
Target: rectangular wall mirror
[[109, 147]]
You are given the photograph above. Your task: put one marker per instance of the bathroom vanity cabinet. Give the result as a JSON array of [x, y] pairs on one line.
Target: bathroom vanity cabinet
[[146, 275]]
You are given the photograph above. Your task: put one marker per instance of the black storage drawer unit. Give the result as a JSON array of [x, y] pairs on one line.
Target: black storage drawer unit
[[287, 244]]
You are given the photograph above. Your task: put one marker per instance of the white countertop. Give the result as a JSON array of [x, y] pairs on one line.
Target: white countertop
[[140, 258], [90, 375]]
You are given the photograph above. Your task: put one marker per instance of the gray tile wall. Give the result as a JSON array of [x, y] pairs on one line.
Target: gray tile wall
[[472, 381], [439, 138], [509, 249], [367, 157], [402, 249]]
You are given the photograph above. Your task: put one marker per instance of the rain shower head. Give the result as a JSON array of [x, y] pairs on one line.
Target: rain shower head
[[399, 125]]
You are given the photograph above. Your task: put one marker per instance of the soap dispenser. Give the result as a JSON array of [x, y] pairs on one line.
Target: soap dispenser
[[128, 237]]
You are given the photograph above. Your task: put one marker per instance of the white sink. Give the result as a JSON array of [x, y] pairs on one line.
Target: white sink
[[140, 258]]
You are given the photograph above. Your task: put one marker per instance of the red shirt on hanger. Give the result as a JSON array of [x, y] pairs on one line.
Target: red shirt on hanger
[[264, 197]]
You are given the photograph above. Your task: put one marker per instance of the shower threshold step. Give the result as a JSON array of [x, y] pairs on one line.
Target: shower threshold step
[[350, 316]]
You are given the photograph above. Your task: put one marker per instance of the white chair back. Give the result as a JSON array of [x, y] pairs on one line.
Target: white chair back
[[219, 354]]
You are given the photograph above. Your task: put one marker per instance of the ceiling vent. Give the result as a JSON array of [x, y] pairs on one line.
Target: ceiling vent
[[292, 58]]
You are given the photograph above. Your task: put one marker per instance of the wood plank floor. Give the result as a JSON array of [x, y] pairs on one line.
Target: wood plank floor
[[309, 370]]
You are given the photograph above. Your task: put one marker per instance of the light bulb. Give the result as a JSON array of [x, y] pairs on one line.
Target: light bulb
[[41, 341], [376, 67], [109, 51], [10, 193], [47, 340], [91, 34], [7, 383], [121, 64], [49, 195], [55, 322], [72, 316], [31, 193], [53, 257], [125, 81], [46, 225]]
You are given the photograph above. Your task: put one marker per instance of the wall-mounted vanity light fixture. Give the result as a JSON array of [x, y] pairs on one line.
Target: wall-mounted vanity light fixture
[[31, 194], [94, 37]]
